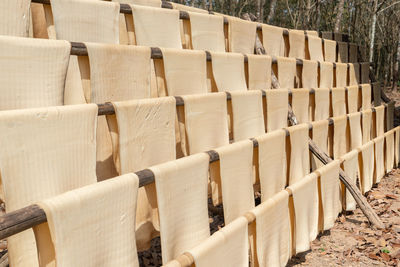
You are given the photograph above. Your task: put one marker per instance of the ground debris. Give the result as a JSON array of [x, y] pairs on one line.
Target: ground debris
[[352, 242]]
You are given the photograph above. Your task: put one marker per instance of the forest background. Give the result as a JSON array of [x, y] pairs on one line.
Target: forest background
[[374, 24]]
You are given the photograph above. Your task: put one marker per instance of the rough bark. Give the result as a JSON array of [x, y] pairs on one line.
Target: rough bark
[[339, 14], [271, 11], [396, 64], [373, 26]]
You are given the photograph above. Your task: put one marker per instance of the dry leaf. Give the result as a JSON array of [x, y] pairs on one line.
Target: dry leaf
[[391, 196], [373, 256], [385, 256]]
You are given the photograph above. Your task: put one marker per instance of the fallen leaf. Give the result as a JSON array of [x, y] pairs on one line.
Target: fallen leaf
[[377, 195], [395, 245], [385, 256], [373, 256], [391, 196]]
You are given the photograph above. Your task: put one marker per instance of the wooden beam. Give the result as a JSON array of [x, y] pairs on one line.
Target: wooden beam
[[79, 49]]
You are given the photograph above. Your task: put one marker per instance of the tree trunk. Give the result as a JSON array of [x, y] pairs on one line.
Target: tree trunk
[[258, 10], [396, 64], [372, 39], [271, 11], [308, 13], [318, 22], [339, 14], [261, 17]]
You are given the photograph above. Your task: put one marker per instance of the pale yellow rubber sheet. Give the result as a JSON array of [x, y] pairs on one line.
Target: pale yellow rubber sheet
[[315, 48], [228, 71], [182, 201], [340, 136], [128, 79], [84, 227], [15, 17], [355, 130], [273, 41], [341, 75], [32, 72], [156, 27], [273, 230], [286, 72], [185, 71], [329, 181], [379, 158], [296, 44], [248, 117], [367, 166], [300, 104], [322, 104], [236, 175], [305, 199], [272, 163], [350, 166], [206, 122], [299, 154], [338, 101], [326, 75], [329, 50], [227, 247], [143, 127], [277, 109], [86, 21], [241, 35], [309, 78], [45, 152], [366, 122], [259, 72], [207, 32]]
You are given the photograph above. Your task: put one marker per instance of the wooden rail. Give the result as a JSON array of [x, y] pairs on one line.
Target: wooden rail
[[79, 49], [108, 109]]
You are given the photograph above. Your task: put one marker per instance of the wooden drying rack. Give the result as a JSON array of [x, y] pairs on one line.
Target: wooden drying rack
[[17, 221], [184, 15], [27, 217]]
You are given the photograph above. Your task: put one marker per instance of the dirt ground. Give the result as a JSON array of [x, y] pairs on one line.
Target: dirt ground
[[352, 242]]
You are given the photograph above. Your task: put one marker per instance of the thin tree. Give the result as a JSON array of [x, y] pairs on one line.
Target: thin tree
[[271, 11], [339, 15]]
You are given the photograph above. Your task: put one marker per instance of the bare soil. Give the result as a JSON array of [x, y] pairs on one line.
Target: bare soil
[[352, 241]]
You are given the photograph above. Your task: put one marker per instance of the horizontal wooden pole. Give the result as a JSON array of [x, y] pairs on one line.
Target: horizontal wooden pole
[[108, 109], [79, 49]]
